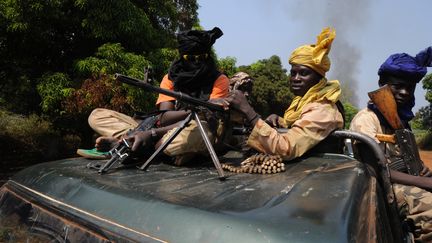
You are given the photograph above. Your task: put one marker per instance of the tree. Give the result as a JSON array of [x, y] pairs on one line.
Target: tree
[[227, 65], [350, 112], [100, 90], [39, 38], [270, 94], [427, 85], [423, 118], [426, 112]]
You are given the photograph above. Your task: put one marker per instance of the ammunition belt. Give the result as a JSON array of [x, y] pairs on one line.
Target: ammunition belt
[[259, 164]]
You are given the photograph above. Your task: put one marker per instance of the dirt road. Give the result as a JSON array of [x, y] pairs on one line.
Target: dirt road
[[426, 156]]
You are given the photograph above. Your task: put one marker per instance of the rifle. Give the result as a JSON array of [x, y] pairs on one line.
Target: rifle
[[410, 158], [194, 105], [121, 152]]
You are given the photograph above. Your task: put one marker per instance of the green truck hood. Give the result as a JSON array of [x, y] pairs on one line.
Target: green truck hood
[[324, 198]]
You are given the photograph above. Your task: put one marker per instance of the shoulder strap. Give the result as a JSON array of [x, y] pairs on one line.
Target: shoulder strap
[[341, 109]]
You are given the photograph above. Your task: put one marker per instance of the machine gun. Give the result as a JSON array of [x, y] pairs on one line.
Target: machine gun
[[410, 158], [194, 105], [121, 152]]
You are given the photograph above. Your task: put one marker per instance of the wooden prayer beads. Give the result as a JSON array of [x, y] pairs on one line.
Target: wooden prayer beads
[[258, 163]]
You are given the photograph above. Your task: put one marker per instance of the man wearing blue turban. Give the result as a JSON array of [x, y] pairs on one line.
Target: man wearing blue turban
[[401, 72]]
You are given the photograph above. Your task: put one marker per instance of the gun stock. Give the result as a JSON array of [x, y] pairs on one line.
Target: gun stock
[[387, 138], [386, 104]]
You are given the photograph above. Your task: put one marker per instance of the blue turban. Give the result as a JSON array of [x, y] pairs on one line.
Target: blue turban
[[407, 67]]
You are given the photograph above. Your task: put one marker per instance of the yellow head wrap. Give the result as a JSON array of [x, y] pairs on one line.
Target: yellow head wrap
[[315, 56], [323, 90]]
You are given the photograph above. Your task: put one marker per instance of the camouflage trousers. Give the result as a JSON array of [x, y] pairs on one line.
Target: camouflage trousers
[[416, 204]]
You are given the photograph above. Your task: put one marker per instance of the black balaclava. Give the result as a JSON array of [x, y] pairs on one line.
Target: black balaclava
[[193, 77]]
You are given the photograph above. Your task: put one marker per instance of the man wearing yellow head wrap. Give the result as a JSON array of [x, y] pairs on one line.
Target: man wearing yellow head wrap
[[313, 113]]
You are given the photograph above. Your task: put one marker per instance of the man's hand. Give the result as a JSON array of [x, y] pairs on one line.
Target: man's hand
[[139, 140], [425, 172], [238, 101], [273, 120]]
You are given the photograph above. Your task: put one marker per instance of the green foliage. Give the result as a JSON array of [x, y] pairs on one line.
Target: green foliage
[[161, 60], [28, 136], [57, 60], [227, 66], [53, 89], [41, 37], [18, 94], [24, 128], [110, 59], [101, 91], [104, 92], [427, 85], [270, 94], [416, 124], [350, 112], [424, 139], [423, 119]]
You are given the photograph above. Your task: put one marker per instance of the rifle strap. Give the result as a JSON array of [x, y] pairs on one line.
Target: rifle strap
[[341, 109]]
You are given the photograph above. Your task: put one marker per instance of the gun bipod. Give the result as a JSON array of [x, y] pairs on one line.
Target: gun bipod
[[192, 115]]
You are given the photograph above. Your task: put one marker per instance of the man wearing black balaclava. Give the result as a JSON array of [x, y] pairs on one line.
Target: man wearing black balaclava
[[194, 73]]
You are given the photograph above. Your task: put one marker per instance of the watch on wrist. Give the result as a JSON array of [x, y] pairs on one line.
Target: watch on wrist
[[250, 120]]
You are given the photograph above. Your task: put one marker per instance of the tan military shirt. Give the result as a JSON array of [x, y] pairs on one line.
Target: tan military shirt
[[316, 122], [367, 122]]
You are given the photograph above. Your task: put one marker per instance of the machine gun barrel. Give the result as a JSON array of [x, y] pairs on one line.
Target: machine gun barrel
[[178, 95]]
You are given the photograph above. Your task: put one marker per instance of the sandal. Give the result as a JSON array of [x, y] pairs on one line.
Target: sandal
[[93, 154]]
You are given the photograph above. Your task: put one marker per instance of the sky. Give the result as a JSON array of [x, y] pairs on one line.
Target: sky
[[367, 32]]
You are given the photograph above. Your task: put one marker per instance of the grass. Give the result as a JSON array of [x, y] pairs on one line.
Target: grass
[[30, 139]]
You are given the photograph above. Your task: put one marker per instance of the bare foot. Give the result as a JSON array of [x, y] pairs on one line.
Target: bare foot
[[105, 144]]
